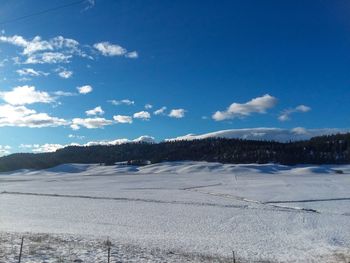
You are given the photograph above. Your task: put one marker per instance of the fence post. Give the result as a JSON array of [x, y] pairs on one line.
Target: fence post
[[109, 243], [20, 251], [233, 257]]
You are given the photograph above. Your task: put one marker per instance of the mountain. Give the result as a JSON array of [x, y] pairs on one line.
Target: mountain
[[328, 149]]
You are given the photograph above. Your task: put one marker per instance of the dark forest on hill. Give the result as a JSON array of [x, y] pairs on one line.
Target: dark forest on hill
[[332, 149]]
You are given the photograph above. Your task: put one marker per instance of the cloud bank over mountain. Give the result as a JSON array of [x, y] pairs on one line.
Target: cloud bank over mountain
[[274, 134]]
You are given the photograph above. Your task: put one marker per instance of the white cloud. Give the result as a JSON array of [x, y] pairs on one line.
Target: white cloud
[[239, 110], [132, 54], [105, 142], [85, 89], [177, 113], [22, 95], [144, 115], [145, 138], [122, 102], [148, 106], [20, 116], [300, 131], [31, 72], [96, 111], [122, 119], [90, 123], [75, 127], [111, 50], [160, 111], [5, 150], [108, 49], [47, 147], [61, 42], [24, 146], [285, 115], [29, 47], [80, 137]]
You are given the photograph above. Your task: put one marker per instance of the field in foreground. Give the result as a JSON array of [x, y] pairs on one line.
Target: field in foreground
[[178, 212]]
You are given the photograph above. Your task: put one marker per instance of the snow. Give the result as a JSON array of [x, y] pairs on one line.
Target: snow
[[180, 212]]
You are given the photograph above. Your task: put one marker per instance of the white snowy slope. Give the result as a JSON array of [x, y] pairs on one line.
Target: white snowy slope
[[262, 212], [274, 134]]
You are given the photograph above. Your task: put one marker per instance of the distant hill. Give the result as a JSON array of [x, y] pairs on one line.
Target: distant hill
[[330, 149]]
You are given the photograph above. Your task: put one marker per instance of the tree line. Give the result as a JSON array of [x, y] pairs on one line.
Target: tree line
[[331, 149]]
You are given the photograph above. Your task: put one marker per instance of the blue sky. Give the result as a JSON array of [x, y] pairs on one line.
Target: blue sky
[[214, 65]]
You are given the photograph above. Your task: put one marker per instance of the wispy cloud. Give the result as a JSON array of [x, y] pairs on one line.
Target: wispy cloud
[[239, 110], [285, 115], [148, 106], [3, 62], [48, 58], [132, 54], [160, 111], [31, 72], [61, 93], [122, 102], [89, 4]]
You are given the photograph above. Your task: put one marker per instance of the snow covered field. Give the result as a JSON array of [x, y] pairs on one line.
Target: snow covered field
[[177, 212]]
